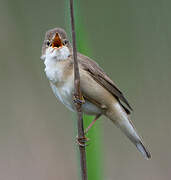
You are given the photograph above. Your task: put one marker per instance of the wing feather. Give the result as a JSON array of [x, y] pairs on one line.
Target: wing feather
[[101, 77]]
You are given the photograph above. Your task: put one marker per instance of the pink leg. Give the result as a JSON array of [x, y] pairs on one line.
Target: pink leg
[[92, 123], [82, 141]]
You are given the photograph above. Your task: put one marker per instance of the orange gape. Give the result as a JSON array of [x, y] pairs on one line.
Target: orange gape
[[57, 41]]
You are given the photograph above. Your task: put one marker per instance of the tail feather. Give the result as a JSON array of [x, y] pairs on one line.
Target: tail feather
[[143, 150], [121, 119], [131, 133]]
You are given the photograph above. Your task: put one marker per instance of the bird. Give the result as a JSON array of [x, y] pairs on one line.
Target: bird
[[100, 94]]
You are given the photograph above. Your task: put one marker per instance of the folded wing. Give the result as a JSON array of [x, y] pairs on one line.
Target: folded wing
[[101, 77]]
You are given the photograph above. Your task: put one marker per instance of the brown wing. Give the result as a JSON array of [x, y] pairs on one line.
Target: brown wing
[[101, 77]]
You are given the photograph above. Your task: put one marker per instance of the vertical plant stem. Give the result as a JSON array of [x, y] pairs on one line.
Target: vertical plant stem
[[94, 156], [78, 96]]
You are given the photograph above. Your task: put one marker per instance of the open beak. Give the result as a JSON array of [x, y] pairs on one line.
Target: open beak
[[57, 43]]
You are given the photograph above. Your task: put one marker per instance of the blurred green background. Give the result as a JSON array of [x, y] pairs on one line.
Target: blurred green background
[[131, 40]]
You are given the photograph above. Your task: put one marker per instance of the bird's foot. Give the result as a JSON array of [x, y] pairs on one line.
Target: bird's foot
[[82, 141], [78, 100]]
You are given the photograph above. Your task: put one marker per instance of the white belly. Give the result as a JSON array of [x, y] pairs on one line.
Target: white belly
[[63, 88], [65, 93]]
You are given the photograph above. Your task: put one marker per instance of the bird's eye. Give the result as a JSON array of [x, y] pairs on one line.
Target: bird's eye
[[65, 42], [48, 43]]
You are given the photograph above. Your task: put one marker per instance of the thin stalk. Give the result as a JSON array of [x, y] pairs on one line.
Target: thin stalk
[[94, 149], [78, 97]]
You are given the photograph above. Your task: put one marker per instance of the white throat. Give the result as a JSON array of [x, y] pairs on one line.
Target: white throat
[[57, 54], [52, 58]]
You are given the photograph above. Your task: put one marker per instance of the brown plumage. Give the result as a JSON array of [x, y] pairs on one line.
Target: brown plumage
[[101, 94], [101, 77]]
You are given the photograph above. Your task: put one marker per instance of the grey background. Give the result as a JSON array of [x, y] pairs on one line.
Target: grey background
[[131, 40]]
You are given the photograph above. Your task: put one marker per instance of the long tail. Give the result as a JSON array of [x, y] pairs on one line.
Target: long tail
[[121, 119]]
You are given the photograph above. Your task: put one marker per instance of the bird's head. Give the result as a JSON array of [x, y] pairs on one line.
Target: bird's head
[[56, 45]]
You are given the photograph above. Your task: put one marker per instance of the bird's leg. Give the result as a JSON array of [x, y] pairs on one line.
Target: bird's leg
[[92, 123], [83, 140]]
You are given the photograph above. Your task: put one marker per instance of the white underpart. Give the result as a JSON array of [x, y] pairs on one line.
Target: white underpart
[[54, 72], [64, 94], [53, 69]]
